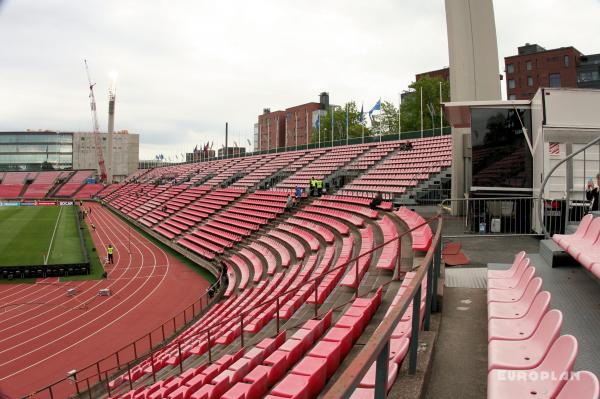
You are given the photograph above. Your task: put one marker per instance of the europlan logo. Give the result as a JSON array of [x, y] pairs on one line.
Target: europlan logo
[[532, 375]]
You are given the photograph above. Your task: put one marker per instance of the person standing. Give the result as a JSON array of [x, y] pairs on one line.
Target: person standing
[[313, 186], [289, 202], [93, 227], [109, 251], [592, 193], [298, 193], [319, 187]]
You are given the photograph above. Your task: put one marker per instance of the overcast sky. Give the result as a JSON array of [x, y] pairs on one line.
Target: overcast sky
[[187, 67]]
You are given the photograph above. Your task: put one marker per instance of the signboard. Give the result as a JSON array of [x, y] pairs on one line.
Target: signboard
[[45, 203], [65, 203], [27, 203], [10, 203]]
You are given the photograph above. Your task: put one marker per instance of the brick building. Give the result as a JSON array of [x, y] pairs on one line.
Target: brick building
[[290, 127], [535, 67]]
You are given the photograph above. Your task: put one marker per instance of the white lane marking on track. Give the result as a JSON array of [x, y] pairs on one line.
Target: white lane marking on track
[[104, 327]]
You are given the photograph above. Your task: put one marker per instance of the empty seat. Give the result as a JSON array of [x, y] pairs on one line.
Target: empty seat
[[581, 385]]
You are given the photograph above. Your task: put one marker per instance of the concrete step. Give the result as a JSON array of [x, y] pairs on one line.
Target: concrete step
[[554, 255]]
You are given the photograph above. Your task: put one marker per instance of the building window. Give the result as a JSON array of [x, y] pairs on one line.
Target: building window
[[554, 80], [510, 68], [529, 81], [512, 97], [566, 60], [528, 65], [511, 83]]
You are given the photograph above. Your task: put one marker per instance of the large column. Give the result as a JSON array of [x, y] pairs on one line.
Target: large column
[[474, 74]]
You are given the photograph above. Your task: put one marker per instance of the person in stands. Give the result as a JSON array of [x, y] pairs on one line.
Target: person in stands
[[109, 251], [376, 201], [298, 193], [313, 186], [93, 227], [319, 187], [289, 202], [592, 193]]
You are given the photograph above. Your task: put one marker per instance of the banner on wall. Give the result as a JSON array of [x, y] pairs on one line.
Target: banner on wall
[[10, 203], [45, 203], [65, 203]]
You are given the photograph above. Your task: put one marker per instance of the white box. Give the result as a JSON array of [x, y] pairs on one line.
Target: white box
[[495, 226]]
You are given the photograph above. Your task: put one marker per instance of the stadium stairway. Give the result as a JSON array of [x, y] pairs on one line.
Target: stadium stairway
[[323, 239]]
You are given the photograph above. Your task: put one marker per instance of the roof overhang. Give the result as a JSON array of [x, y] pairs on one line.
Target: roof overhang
[[458, 113]]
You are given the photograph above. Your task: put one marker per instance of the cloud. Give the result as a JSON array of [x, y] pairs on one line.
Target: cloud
[[187, 67]]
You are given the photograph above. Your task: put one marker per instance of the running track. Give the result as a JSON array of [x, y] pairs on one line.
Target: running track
[[44, 333]]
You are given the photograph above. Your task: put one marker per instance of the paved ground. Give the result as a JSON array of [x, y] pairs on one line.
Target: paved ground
[[460, 356]]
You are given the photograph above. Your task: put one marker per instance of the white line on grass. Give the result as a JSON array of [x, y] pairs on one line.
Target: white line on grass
[[53, 233]]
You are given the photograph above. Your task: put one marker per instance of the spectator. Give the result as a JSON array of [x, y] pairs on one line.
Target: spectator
[[298, 193], [289, 203], [592, 193], [376, 201], [313, 186], [319, 187], [93, 227]]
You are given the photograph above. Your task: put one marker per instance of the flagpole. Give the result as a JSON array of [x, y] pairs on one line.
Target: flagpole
[[421, 90], [332, 126], [441, 116], [268, 134], [319, 129], [346, 124], [307, 138], [277, 135], [399, 110], [362, 121], [296, 131], [285, 141]]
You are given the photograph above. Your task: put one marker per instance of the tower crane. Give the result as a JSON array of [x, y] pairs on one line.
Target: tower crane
[[96, 127]]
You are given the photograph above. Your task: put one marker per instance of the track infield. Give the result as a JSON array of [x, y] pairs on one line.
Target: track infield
[[27, 232]]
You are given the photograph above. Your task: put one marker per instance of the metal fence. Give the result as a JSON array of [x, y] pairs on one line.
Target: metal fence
[[95, 379], [514, 215], [377, 349]]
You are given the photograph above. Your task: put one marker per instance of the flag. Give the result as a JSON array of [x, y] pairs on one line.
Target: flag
[[376, 107], [362, 113], [318, 122]]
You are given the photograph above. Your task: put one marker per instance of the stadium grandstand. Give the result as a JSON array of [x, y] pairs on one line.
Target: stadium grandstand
[[459, 262]]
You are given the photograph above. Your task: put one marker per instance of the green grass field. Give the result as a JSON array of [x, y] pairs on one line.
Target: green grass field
[[26, 233]]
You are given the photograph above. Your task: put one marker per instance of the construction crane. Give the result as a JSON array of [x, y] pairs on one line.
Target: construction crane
[[96, 127]]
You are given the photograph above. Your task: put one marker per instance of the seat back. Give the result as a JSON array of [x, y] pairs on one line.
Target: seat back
[[539, 307], [582, 385], [592, 233], [549, 329], [584, 225], [533, 287], [559, 362], [527, 275], [523, 265]]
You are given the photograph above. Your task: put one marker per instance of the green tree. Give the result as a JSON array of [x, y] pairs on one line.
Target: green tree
[[411, 104], [355, 128]]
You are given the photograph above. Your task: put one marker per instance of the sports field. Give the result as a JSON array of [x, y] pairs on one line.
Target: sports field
[[29, 234]]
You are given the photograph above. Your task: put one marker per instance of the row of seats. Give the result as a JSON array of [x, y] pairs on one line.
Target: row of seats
[[422, 234], [584, 244], [527, 356], [75, 182]]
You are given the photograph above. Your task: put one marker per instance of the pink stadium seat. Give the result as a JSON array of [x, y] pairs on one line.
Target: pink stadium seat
[[513, 310], [521, 328], [513, 282], [495, 295], [582, 385], [509, 272], [527, 353], [584, 224], [529, 383]]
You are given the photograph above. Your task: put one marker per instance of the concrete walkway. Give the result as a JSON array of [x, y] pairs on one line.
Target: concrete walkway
[[460, 359]]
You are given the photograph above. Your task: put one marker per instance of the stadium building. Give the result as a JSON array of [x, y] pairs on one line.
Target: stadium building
[[51, 150]]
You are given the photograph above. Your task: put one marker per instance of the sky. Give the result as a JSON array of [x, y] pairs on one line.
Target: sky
[[187, 67]]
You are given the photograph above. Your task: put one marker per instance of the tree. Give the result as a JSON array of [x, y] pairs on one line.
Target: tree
[[355, 128], [411, 104]]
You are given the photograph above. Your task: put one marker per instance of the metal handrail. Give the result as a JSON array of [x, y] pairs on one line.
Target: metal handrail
[[377, 348], [239, 316], [543, 186]]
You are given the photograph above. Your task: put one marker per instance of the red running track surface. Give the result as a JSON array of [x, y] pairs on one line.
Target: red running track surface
[[44, 333]]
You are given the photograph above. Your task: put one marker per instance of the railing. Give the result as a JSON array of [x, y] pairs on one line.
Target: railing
[[412, 135], [377, 349], [570, 180], [509, 216], [101, 371], [98, 380]]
